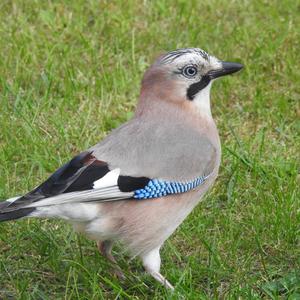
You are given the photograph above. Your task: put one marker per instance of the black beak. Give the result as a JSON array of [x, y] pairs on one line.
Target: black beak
[[226, 69]]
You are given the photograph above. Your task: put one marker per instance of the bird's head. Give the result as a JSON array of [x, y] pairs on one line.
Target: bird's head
[[185, 75]]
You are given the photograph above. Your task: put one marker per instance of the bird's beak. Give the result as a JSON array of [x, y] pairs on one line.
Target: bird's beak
[[225, 69]]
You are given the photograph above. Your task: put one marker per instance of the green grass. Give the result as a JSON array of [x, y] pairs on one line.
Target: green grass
[[70, 72]]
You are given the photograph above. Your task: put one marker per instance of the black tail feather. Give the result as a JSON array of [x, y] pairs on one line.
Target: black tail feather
[[15, 214]]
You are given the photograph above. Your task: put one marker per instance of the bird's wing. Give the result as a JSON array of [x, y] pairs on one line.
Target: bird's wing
[[88, 179], [82, 179], [163, 149], [126, 165]]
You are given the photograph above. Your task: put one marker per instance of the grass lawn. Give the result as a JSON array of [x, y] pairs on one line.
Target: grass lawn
[[70, 71]]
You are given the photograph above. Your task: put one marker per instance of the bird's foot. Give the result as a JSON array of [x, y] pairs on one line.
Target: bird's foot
[[160, 278], [118, 273], [105, 248]]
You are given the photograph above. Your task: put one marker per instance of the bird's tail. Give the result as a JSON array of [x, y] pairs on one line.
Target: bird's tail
[[13, 214]]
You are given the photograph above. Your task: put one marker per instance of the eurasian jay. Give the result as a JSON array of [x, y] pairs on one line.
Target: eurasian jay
[[138, 184]]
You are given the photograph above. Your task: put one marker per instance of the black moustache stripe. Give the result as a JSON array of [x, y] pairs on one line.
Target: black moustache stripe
[[197, 86]]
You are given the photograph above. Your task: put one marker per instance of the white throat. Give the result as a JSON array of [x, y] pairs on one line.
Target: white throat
[[202, 100]]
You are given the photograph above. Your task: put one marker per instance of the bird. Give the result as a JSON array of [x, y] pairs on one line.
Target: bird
[[140, 182]]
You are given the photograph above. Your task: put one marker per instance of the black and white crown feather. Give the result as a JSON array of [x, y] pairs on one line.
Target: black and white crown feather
[[86, 179], [173, 55]]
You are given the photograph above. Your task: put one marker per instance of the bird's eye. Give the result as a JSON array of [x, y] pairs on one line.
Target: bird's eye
[[189, 71]]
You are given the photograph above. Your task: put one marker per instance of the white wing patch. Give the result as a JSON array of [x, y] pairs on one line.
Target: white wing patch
[[108, 180]]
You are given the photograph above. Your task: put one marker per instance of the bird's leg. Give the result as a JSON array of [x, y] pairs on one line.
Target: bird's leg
[[151, 263], [105, 248]]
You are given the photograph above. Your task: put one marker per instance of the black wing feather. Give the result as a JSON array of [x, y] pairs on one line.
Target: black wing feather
[[130, 184], [79, 174], [91, 174], [67, 178]]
